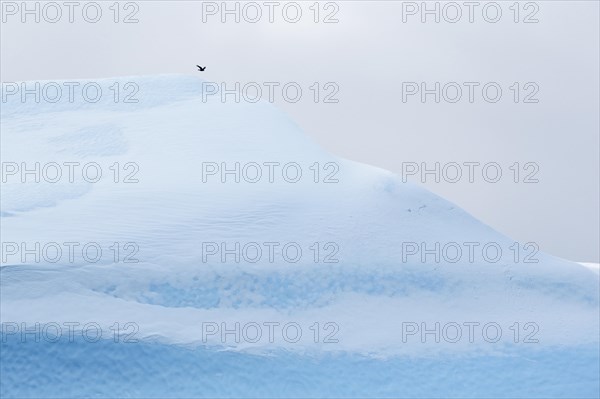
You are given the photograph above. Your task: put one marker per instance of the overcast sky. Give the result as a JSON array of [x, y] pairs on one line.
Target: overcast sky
[[551, 129]]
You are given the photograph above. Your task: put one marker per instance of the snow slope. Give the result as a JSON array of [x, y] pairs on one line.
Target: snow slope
[[592, 266], [371, 294]]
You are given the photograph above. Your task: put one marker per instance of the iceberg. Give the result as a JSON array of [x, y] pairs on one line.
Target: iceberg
[[181, 246]]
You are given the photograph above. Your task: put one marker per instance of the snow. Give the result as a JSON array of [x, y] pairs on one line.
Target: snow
[[171, 294], [593, 266]]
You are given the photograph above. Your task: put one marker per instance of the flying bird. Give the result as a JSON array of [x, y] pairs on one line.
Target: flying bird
[[201, 69]]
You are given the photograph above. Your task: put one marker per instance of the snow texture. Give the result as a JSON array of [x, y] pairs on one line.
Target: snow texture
[[369, 294]]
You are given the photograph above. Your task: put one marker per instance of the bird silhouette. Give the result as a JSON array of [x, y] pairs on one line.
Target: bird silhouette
[[201, 69]]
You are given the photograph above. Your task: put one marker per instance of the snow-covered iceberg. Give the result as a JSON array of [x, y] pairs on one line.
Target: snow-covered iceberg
[[182, 246]]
